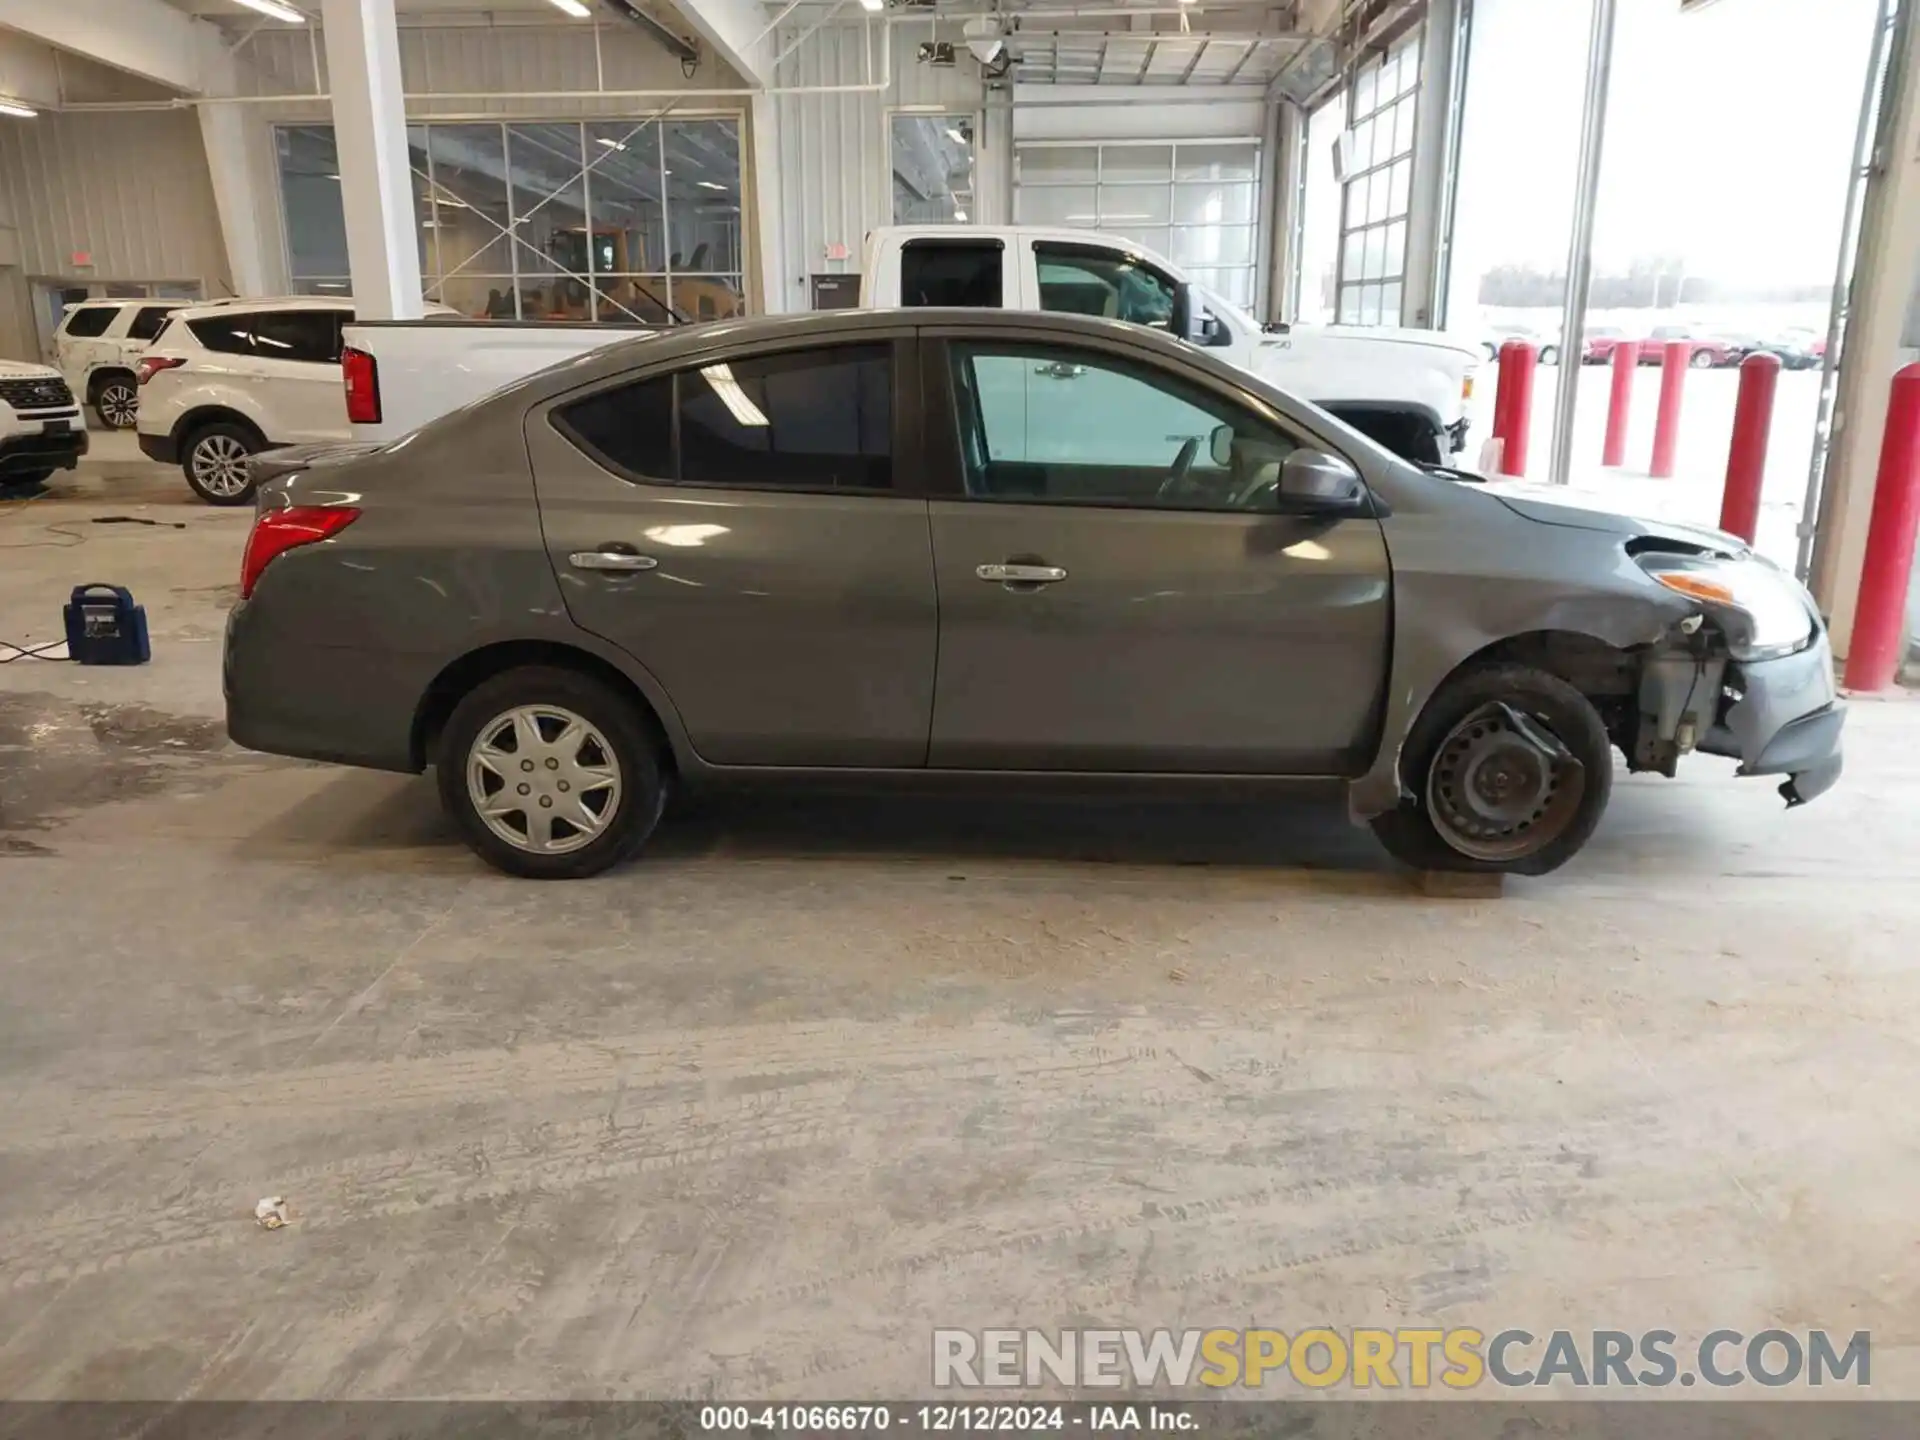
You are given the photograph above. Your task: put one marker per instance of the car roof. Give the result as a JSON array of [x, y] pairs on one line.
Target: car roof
[[834, 326], [123, 300], [202, 309]]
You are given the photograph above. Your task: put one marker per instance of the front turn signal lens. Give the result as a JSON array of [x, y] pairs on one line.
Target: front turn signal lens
[[1695, 587]]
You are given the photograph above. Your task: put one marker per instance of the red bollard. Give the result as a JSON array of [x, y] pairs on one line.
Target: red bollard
[[1626, 358], [1873, 657], [1513, 405], [1747, 460], [1666, 423]]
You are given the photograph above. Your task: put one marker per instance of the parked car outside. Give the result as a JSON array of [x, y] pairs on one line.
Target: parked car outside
[[1705, 352], [1599, 342], [97, 346], [228, 380], [878, 547], [1795, 349], [42, 427]]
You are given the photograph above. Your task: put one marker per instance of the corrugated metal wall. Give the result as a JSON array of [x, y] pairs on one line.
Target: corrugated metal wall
[[834, 165], [129, 188]]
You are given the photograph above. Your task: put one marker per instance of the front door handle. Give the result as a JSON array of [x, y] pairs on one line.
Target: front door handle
[[610, 559], [1021, 574]]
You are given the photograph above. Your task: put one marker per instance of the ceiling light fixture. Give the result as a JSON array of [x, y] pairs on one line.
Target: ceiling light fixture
[[273, 9], [609, 143], [959, 214], [874, 6], [710, 184], [573, 8], [14, 107]]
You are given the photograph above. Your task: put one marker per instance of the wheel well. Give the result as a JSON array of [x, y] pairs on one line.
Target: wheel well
[[478, 666], [1607, 675], [100, 377], [195, 421]]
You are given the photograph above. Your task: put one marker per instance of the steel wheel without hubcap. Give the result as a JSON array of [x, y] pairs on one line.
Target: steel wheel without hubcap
[[220, 465], [1502, 786], [543, 779], [118, 404]]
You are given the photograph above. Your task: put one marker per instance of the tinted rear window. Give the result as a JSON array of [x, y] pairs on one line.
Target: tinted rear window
[[86, 321], [949, 273], [151, 320]]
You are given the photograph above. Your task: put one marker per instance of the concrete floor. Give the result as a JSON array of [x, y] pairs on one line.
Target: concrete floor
[[750, 1117]]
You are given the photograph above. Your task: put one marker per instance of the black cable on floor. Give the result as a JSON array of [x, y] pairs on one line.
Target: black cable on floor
[[32, 652]]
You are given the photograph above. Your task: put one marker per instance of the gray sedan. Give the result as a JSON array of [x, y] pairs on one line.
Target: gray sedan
[[987, 548]]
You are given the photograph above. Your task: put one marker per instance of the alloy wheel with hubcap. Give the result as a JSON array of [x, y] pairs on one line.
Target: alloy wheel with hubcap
[[217, 465], [543, 779], [118, 404]]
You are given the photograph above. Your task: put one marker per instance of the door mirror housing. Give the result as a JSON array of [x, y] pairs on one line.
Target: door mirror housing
[[1190, 317], [1220, 446], [1314, 480]]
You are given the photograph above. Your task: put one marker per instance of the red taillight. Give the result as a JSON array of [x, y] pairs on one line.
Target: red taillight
[[278, 531], [152, 365], [363, 386]]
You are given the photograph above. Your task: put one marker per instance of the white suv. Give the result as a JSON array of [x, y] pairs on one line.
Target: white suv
[[42, 428], [97, 346], [228, 380]]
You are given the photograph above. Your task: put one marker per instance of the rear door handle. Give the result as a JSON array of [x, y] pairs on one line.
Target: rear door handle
[[1020, 574], [610, 559]]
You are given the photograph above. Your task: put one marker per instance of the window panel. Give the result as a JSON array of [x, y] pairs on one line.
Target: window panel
[[703, 196], [1060, 425], [1135, 205], [310, 198], [808, 419], [1394, 249], [1213, 204], [627, 198], [1351, 251], [1390, 303], [1057, 205], [1234, 282], [1147, 163], [932, 169], [470, 201], [482, 297], [632, 299], [1158, 239], [1399, 181], [1379, 194], [707, 297], [1056, 164], [1214, 245], [1403, 114], [549, 205], [1362, 151], [1349, 304], [1369, 304], [1363, 88], [629, 428], [1375, 244], [1234, 161]]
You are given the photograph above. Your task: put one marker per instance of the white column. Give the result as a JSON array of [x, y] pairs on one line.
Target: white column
[[376, 186], [763, 130], [239, 197]]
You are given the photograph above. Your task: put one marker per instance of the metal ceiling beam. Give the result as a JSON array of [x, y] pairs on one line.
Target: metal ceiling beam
[[675, 45], [1194, 63]]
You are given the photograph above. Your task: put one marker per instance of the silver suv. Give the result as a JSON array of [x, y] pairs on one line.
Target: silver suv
[[987, 548]]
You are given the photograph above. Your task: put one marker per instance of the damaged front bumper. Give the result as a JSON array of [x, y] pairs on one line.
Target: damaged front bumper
[[1783, 717]]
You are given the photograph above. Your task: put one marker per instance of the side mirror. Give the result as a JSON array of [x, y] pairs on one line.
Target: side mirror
[[1189, 315], [1220, 446], [1313, 479]]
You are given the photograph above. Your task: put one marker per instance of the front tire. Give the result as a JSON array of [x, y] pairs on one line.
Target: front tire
[[116, 401], [214, 460], [550, 774], [1701, 360], [1549, 354], [1489, 793]]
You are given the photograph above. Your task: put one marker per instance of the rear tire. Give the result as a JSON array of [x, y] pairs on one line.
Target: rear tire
[[1701, 360], [214, 460], [116, 400], [1540, 839], [507, 741]]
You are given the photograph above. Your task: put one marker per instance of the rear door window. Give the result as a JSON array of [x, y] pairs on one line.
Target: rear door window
[[806, 419], [1083, 280], [311, 336], [151, 320], [947, 272], [84, 322], [228, 333]]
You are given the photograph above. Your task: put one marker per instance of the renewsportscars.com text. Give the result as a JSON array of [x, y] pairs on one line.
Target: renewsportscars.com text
[[1376, 1359]]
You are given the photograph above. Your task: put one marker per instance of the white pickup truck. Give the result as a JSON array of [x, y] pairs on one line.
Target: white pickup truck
[[1408, 389]]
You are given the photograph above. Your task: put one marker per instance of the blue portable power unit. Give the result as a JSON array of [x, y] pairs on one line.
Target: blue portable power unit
[[105, 627]]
